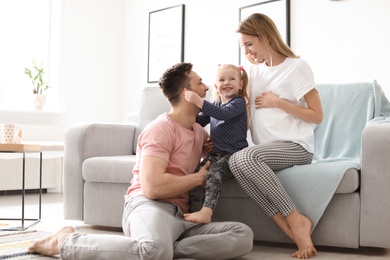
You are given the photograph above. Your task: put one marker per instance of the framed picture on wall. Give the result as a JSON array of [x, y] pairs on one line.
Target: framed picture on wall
[[166, 40], [277, 10]]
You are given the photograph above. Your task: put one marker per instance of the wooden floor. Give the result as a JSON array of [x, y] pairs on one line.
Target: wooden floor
[[52, 220]]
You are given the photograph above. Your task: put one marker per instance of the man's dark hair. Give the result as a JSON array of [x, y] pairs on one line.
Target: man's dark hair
[[174, 80]]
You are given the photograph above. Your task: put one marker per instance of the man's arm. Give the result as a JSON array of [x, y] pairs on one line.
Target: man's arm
[[156, 183]]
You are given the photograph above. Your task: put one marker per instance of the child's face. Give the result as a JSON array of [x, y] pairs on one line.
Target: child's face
[[228, 83]]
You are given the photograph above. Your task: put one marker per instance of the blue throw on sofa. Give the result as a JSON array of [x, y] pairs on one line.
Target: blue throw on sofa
[[337, 145]]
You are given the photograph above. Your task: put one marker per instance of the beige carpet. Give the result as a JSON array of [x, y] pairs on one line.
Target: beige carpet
[[14, 244]]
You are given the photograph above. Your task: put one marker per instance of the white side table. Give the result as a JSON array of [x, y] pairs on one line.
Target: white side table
[[29, 147]]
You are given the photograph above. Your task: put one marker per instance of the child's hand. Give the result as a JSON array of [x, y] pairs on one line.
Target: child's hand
[[194, 98], [190, 96], [208, 146]]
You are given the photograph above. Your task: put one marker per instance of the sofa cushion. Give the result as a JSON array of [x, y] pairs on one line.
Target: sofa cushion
[[109, 169], [349, 183]]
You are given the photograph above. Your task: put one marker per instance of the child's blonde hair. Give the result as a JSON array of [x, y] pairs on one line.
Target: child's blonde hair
[[243, 92]]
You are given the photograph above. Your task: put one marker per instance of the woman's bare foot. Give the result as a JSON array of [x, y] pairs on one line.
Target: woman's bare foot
[[281, 221], [301, 227], [202, 216], [50, 245]]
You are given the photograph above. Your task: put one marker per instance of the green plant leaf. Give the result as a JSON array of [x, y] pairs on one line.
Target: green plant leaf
[[39, 86]]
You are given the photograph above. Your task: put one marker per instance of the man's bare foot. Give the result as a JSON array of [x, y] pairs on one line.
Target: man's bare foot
[[301, 227], [50, 245], [202, 216]]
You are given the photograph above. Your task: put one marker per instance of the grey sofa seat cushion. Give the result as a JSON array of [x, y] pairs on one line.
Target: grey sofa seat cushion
[[349, 183], [118, 169], [109, 169]]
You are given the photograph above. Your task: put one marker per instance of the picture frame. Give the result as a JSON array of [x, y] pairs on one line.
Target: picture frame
[[165, 40], [277, 10]]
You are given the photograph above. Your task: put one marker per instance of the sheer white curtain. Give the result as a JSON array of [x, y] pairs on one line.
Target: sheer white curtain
[[29, 30]]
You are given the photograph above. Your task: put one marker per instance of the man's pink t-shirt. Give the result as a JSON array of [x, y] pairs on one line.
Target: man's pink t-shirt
[[180, 147]]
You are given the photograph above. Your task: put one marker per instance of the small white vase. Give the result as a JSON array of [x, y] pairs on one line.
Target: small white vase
[[39, 101]]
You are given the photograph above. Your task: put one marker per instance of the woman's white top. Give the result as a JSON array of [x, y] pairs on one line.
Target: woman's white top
[[290, 80]]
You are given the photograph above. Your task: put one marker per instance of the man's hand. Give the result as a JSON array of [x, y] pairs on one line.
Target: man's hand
[[203, 171]]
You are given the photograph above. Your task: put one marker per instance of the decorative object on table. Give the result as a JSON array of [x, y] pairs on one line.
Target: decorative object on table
[[166, 40], [11, 134], [14, 245], [36, 74], [18, 137], [277, 10]]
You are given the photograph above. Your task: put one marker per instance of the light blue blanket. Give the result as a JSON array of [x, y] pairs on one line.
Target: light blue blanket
[[347, 109]]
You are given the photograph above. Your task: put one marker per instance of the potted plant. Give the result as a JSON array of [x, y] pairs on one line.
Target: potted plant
[[36, 74]]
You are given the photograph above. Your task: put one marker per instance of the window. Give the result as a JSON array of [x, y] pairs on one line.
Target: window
[[30, 30]]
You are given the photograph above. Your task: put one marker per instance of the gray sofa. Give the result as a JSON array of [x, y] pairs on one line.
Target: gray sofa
[[99, 159]]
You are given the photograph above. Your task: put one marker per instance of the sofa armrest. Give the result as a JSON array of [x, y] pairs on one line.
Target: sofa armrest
[[375, 186], [83, 141]]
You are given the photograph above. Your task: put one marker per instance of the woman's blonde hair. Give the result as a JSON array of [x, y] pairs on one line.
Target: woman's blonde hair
[[261, 26], [243, 92]]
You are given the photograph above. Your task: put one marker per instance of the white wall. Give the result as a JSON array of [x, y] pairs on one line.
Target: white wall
[[345, 40], [105, 46], [91, 60]]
